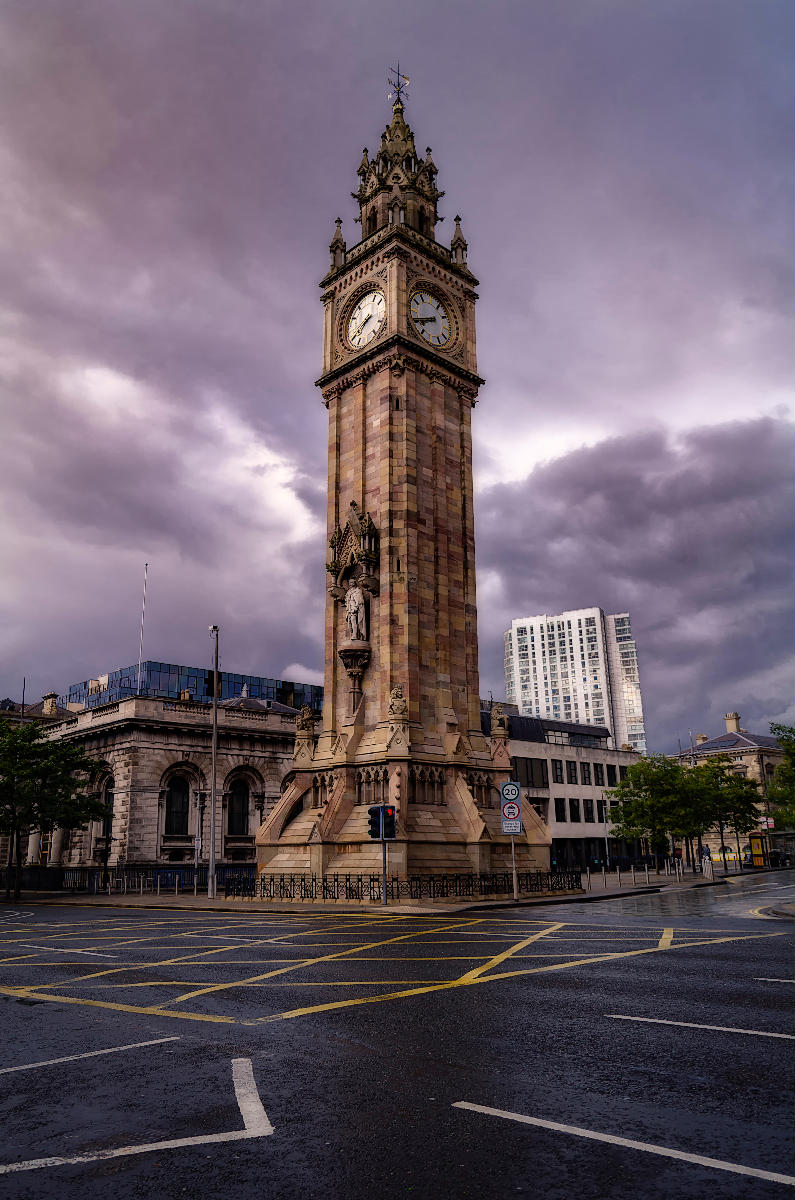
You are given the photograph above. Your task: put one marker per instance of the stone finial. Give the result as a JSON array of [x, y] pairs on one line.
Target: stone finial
[[337, 245], [50, 708], [458, 245]]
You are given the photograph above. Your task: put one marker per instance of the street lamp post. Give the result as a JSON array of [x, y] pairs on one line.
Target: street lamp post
[[211, 858]]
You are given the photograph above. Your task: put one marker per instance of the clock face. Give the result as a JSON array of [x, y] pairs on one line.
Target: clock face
[[366, 319], [430, 318]]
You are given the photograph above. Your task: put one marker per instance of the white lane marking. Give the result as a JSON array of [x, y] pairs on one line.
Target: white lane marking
[[767, 979], [57, 950], [692, 1025], [254, 1116], [718, 1163], [49, 1062]]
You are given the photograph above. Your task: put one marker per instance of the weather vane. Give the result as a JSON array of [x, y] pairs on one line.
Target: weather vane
[[398, 84]]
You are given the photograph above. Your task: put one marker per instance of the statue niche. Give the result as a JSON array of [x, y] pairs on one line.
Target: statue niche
[[353, 567]]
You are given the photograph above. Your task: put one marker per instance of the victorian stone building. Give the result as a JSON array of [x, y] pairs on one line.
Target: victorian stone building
[[153, 770], [401, 715]]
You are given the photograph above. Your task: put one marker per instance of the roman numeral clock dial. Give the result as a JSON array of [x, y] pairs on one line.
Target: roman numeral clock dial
[[366, 319], [430, 318]]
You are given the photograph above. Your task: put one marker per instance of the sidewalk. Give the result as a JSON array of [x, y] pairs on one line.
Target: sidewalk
[[245, 907]]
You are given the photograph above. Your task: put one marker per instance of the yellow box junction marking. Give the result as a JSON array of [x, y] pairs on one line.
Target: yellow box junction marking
[[476, 975]]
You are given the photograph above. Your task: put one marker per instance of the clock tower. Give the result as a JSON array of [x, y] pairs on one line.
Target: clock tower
[[401, 717]]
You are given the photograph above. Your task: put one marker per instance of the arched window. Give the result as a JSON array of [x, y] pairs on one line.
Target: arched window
[[237, 811], [422, 222], [372, 224], [177, 803]]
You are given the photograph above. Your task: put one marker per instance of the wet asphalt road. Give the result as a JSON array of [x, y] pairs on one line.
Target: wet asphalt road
[[363, 1032]]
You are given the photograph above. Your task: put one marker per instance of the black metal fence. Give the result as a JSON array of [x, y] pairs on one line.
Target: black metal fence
[[238, 881], [154, 880], [368, 888]]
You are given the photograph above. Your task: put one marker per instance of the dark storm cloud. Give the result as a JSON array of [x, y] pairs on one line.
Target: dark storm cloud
[[694, 536], [170, 177]]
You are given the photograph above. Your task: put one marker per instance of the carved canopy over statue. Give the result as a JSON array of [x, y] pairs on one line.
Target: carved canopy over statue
[[354, 553]]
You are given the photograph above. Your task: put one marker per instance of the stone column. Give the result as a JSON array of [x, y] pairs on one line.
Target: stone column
[[33, 850], [56, 847]]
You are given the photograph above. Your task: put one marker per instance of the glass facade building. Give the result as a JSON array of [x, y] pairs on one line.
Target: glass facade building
[[170, 681]]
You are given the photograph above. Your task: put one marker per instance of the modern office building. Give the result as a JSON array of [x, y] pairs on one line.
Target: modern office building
[[579, 666], [168, 681], [566, 771]]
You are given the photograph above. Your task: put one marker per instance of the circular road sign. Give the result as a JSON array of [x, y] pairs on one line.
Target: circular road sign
[[511, 810], [510, 790]]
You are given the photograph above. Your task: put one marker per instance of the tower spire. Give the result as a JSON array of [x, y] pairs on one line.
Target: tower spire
[[396, 186]]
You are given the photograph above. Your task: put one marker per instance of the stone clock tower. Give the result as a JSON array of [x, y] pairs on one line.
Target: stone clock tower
[[401, 718]]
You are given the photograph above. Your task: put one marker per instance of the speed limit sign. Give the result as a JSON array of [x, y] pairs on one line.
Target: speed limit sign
[[511, 808]]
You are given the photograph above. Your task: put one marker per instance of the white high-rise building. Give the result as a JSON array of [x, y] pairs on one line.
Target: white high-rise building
[[579, 666]]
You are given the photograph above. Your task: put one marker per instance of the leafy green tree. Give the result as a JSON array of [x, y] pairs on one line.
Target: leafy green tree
[[42, 785], [731, 800], [657, 799], [781, 789]]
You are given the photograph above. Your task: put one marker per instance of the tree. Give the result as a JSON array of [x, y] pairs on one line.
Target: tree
[[658, 799], [781, 789], [42, 785], [731, 800]]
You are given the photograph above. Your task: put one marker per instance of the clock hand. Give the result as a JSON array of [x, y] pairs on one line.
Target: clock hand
[[424, 320]]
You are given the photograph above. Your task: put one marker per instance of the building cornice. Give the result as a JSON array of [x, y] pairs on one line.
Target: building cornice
[[398, 354]]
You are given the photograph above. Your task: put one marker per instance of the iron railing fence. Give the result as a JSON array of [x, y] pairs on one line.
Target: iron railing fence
[[145, 879], [368, 888], [241, 881]]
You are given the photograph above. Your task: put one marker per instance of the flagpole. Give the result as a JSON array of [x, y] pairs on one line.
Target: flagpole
[[141, 642]]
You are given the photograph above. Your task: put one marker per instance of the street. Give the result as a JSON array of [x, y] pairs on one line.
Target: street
[[635, 1046]]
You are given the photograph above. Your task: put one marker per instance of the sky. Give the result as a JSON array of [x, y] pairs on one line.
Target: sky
[[169, 179]]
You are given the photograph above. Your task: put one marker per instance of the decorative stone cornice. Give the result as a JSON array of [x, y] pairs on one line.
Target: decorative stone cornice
[[398, 357]]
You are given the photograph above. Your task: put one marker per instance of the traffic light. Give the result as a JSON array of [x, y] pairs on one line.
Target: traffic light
[[374, 822], [389, 822]]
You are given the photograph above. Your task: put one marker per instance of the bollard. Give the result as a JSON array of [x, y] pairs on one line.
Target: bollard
[[633, 874], [588, 877], [618, 873], [142, 885], [158, 885], [124, 884], [195, 882], [176, 886], [604, 878], [647, 872]]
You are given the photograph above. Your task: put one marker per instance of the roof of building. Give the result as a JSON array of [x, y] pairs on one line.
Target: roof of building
[[34, 710], [534, 729], [250, 704], [735, 741]]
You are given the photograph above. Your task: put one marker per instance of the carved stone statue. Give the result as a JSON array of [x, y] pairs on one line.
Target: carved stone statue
[[499, 722], [398, 708], [305, 721], [355, 613]]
